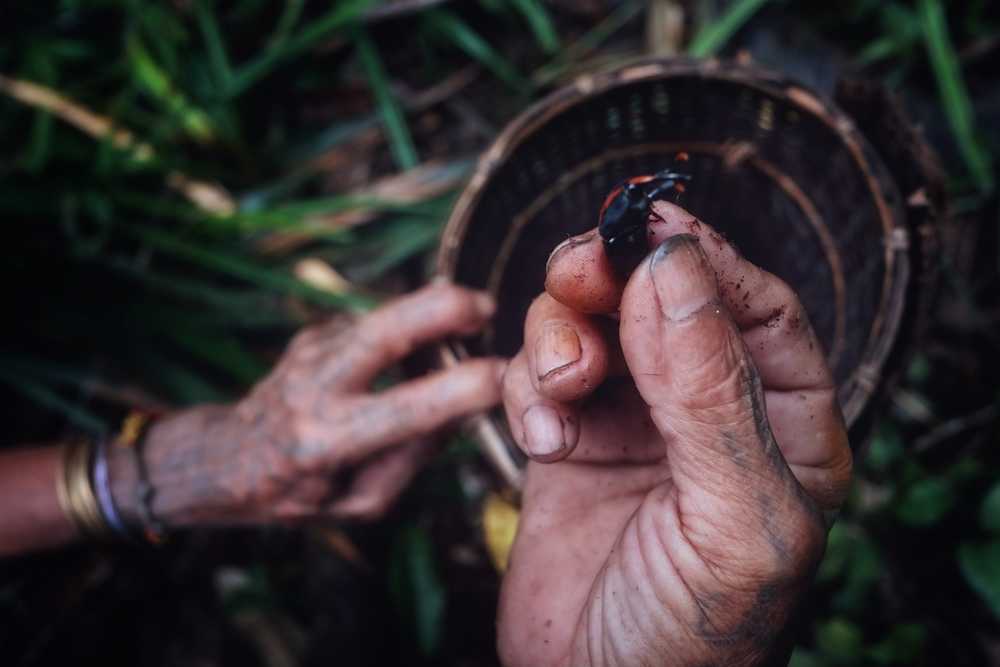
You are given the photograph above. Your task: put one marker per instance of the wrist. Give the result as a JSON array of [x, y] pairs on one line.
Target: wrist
[[173, 451]]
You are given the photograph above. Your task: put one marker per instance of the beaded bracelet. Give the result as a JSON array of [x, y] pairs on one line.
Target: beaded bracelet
[[132, 437]]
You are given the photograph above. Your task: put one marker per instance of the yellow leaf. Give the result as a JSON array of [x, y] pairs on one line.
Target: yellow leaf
[[500, 519]]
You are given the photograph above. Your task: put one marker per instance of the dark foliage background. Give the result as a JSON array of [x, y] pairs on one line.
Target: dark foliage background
[[185, 183]]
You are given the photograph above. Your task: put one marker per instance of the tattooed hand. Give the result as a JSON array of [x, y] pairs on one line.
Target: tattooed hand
[[311, 439], [681, 458]]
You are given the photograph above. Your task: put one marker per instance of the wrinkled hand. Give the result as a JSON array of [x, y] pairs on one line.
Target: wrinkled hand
[[681, 458], [311, 439]]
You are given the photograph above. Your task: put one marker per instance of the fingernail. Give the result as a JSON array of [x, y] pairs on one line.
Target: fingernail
[[571, 242], [543, 431], [558, 347], [684, 280], [485, 305]]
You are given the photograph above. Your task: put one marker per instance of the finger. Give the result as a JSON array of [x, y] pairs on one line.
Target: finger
[[544, 429], [781, 339], [776, 327], [567, 355], [380, 480], [731, 495], [693, 369], [387, 335], [369, 424], [801, 393], [579, 275]]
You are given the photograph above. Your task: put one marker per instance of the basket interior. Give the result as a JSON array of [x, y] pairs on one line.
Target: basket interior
[[776, 179]]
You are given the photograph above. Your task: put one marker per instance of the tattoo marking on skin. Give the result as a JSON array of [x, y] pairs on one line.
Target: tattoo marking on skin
[[758, 627]]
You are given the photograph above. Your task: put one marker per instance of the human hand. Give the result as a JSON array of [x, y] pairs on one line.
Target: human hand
[[681, 458], [311, 439]]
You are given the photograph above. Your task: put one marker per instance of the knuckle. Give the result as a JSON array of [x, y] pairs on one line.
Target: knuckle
[[371, 507], [303, 338]]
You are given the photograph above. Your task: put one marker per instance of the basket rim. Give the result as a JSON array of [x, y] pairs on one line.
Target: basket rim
[[859, 386]]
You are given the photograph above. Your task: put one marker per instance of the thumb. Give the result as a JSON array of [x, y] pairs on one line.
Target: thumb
[[681, 345], [692, 368]]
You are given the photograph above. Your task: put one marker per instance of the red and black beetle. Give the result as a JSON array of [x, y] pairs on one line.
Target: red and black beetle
[[623, 217]]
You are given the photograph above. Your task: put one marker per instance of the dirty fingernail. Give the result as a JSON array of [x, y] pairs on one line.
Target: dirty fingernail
[[557, 347], [543, 431], [682, 276]]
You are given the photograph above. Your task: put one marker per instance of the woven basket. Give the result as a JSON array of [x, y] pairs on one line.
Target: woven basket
[[840, 206]]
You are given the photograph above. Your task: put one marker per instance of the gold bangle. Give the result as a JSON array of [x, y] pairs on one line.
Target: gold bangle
[[75, 490]]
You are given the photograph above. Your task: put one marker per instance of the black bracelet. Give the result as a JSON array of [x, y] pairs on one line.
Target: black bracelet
[[133, 436]]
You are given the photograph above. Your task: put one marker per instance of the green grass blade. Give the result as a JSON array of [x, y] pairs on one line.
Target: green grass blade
[[157, 84], [286, 22], [238, 267], [880, 49], [449, 26], [400, 140], [214, 42], [344, 13], [588, 42], [712, 37], [537, 16], [954, 95], [407, 238]]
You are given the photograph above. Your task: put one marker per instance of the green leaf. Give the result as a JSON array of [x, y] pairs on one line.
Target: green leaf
[[840, 639], [416, 586], [980, 565], [989, 511], [713, 36], [903, 646], [400, 140], [839, 545], [803, 658], [852, 559], [954, 95], [925, 502], [885, 449]]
